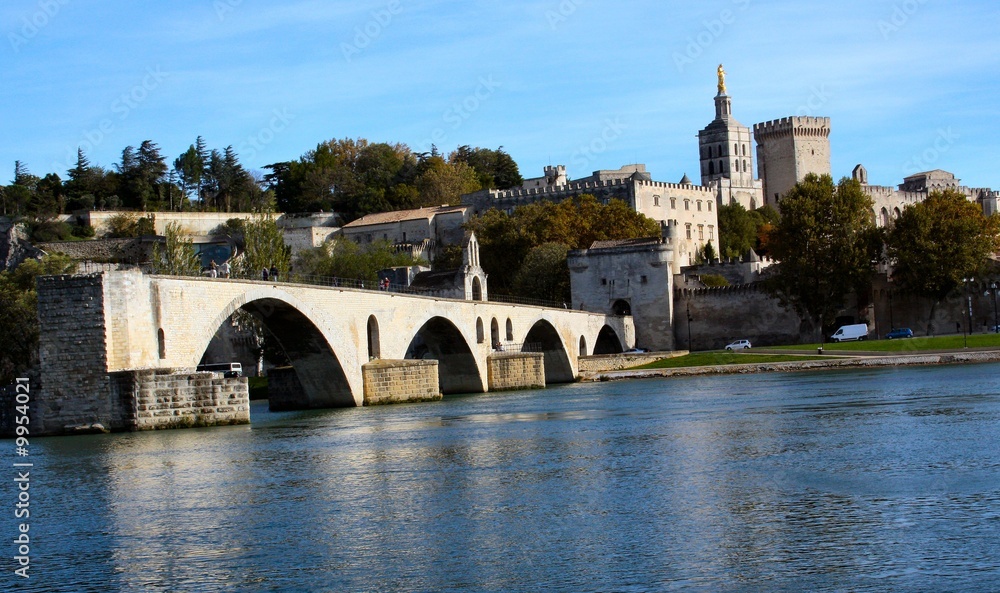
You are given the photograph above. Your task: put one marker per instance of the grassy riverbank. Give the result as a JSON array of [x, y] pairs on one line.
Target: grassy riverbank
[[917, 344], [715, 358]]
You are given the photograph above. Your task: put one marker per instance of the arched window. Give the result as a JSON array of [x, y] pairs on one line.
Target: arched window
[[477, 290], [711, 168], [510, 331], [722, 168], [494, 332], [161, 343], [736, 149], [744, 166], [583, 346], [744, 150], [374, 346], [884, 218], [480, 334]]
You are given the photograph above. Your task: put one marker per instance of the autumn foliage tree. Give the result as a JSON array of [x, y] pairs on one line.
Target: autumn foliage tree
[[827, 245], [936, 243]]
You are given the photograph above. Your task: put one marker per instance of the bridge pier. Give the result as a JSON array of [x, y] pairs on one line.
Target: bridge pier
[[509, 372]]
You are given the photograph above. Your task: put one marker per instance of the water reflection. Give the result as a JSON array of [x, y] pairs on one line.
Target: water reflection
[[879, 480]]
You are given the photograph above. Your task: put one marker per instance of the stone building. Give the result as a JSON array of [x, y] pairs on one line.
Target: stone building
[[467, 283], [629, 277], [889, 202], [420, 231], [788, 149]]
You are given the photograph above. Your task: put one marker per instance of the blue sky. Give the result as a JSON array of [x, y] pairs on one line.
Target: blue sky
[[910, 85]]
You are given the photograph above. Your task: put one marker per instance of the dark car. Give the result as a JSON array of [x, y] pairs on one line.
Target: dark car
[[899, 332]]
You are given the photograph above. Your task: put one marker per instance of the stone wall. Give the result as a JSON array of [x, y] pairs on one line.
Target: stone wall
[[162, 399], [135, 250], [284, 391], [507, 372], [720, 315], [617, 362], [400, 381], [72, 356]]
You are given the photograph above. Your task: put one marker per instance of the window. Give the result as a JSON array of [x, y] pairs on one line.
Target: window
[[711, 168], [709, 205], [722, 168], [711, 232], [673, 203], [656, 200], [687, 228], [744, 150], [736, 149], [699, 205], [604, 281], [701, 232], [687, 204], [643, 279]]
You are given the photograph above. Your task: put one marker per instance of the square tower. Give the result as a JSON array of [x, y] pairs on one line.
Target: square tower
[[788, 149]]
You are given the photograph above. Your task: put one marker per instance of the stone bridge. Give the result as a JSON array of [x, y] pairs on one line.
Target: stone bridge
[[98, 327]]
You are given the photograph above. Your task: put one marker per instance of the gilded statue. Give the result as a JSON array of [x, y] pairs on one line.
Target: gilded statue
[[722, 80]]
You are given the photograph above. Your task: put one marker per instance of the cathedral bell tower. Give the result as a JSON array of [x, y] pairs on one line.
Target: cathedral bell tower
[[725, 144]]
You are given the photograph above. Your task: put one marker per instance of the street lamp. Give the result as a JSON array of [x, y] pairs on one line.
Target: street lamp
[[968, 294]]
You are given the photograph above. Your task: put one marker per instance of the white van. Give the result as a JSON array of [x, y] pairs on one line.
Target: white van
[[846, 333]]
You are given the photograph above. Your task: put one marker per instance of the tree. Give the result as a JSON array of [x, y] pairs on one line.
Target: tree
[[936, 243], [19, 313], [827, 245], [264, 247], [190, 166], [343, 258], [442, 182], [737, 230], [177, 256], [544, 274], [494, 168]]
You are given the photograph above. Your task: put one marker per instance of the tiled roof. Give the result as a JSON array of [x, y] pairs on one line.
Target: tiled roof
[[401, 215], [625, 243]]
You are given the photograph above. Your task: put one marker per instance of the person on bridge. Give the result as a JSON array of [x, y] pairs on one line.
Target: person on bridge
[[224, 269], [213, 271], [263, 274], [274, 273]]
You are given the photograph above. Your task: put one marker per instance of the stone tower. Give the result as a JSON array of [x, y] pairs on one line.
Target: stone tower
[[726, 155], [788, 149]]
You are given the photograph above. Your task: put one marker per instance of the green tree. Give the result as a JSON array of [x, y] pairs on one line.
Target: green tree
[[343, 258], [19, 313], [264, 247], [544, 274], [936, 243], [442, 182], [827, 246], [495, 169], [177, 256], [737, 230]]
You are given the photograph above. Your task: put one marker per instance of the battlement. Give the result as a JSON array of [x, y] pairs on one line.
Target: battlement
[[794, 125]]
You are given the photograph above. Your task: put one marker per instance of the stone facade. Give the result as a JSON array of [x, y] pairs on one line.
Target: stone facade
[[788, 149], [714, 317], [631, 277], [284, 391], [200, 223], [726, 158], [163, 399], [511, 371], [421, 231], [889, 202], [400, 381]]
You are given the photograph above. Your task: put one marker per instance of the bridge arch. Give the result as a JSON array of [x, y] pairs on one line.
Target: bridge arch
[[318, 369], [441, 340], [557, 364], [608, 342], [374, 342]]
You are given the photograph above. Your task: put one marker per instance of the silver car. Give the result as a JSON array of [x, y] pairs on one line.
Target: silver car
[[739, 345]]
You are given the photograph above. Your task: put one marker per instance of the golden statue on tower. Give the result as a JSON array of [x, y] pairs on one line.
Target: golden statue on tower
[[722, 80]]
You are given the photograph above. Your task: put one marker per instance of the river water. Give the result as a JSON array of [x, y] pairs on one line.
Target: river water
[[882, 480]]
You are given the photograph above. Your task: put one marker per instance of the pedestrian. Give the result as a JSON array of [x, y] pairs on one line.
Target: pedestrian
[[224, 269], [263, 274], [274, 273], [213, 270]]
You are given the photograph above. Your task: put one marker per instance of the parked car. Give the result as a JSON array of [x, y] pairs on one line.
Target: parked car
[[846, 333], [739, 345], [899, 332]]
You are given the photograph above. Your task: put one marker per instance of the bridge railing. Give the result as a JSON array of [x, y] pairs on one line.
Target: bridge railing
[[89, 267]]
